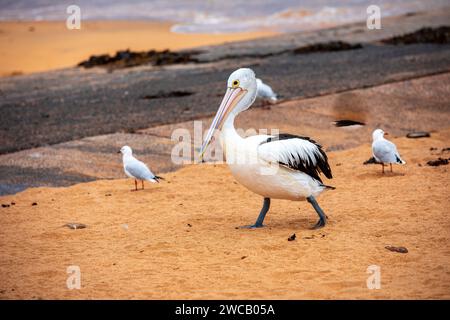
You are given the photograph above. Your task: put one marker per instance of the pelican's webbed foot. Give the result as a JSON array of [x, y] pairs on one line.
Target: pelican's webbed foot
[[262, 215], [322, 217]]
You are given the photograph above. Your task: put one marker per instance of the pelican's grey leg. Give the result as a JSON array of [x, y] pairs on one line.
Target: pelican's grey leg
[[262, 215], [322, 217]]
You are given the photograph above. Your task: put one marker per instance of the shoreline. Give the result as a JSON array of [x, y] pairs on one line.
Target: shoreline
[[37, 46]]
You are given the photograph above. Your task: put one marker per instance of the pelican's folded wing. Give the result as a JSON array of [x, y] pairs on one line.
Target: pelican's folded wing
[[297, 153]]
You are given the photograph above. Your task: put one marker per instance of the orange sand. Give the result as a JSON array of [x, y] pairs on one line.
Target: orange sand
[[38, 46], [159, 256]]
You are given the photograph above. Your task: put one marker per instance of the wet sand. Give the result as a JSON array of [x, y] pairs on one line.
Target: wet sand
[[27, 47], [178, 240]]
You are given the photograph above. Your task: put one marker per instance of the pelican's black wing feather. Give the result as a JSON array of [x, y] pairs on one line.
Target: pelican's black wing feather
[[297, 153]]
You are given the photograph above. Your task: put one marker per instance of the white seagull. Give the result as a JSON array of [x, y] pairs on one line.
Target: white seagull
[[136, 169], [279, 167], [384, 151], [264, 91]]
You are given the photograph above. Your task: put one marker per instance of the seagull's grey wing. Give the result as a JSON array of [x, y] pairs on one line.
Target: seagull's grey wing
[[384, 151], [139, 170], [397, 157]]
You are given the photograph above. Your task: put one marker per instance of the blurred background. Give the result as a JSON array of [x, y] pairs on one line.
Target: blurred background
[[32, 37]]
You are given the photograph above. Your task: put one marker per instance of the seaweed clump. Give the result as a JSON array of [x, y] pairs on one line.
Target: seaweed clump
[[127, 59], [327, 47], [440, 35]]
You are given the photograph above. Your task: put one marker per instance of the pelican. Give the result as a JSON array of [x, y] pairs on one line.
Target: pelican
[[275, 167], [265, 91], [384, 151], [136, 169]]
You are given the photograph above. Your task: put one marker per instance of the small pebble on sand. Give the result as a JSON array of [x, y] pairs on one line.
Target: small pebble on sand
[[397, 249], [75, 226], [418, 134]]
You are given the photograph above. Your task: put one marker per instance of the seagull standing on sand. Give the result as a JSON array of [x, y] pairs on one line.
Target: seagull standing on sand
[[384, 151], [264, 91], [280, 167], [136, 169]]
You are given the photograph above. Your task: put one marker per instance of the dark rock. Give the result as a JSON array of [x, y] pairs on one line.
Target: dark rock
[[372, 160], [439, 35], [127, 59], [292, 237], [418, 134], [397, 249], [173, 94], [34, 204], [327, 47], [346, 123], [438, 162]]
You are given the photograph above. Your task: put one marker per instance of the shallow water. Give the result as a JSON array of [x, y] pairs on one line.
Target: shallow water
[[214, 16]]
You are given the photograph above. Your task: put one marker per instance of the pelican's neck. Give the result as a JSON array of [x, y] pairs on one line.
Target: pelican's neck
[[229, 133]]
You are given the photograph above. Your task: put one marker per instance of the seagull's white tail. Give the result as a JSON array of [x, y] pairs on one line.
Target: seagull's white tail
[[400, 160]]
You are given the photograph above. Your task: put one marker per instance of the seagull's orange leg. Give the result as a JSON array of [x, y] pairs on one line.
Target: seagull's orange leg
[[142, 184], [135, 185], [382, 168], [391, 166]]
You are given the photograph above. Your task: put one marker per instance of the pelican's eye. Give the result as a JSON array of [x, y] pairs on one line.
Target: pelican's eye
[[235, 84]]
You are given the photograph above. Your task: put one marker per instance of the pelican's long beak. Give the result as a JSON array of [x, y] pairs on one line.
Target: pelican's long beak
[[230, 100]]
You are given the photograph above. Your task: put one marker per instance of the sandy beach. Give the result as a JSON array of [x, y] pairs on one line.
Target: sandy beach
[[177, 239], [27, 47]]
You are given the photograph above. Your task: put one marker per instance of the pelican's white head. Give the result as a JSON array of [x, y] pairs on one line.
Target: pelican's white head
[[378, 134], [126, 150], [240, 94], [243, 82]]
